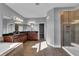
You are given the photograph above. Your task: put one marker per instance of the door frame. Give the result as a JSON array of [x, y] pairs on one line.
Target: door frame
[[44, 30]]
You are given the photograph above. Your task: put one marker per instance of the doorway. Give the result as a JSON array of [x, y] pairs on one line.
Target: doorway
[[66, 29], [41, 31], [69, 28]]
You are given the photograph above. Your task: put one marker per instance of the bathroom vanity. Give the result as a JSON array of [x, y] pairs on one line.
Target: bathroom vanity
[[21, 36]]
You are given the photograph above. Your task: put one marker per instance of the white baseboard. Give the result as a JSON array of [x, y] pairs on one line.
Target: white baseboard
[[67, 51], [74, 44], [55, 46]]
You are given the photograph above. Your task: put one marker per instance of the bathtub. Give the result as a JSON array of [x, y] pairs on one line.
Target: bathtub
[[5, 48]]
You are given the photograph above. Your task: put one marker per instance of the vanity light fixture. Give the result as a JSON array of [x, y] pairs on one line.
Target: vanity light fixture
[[31, 23], [17, 19]]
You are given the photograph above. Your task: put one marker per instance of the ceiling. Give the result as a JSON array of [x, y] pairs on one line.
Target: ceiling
[[30, 10]]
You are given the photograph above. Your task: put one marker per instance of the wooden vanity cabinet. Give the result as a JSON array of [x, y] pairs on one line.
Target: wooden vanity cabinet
[[21, 37], [33, 36], [8, 38]]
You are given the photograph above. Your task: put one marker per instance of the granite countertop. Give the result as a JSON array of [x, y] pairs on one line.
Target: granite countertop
[[18, 33]]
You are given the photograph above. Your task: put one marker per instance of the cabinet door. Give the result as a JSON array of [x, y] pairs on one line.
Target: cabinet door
[[29, 36], [15, 38], [8, 38], [34, 36]]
